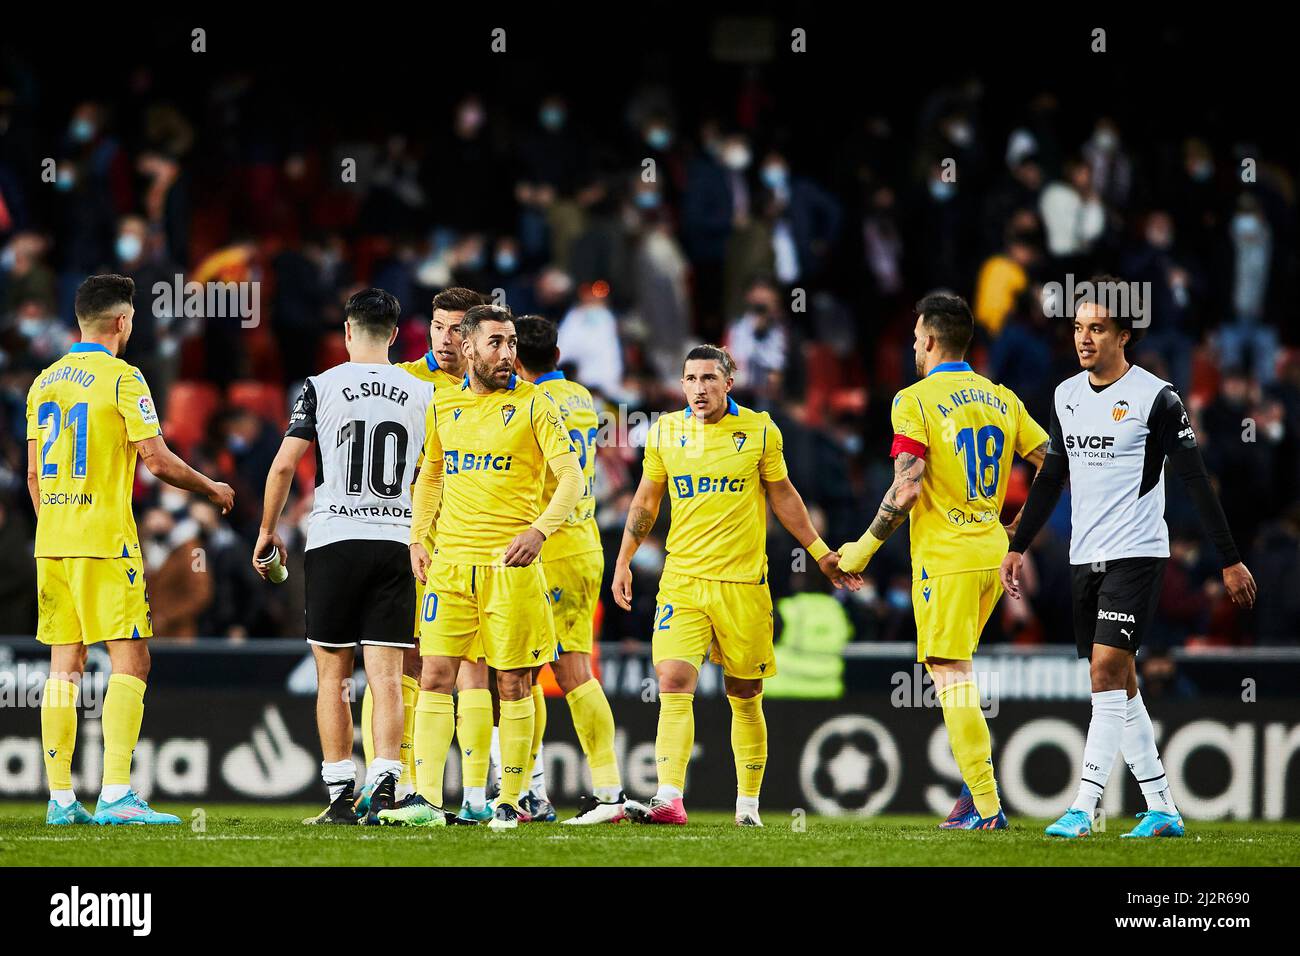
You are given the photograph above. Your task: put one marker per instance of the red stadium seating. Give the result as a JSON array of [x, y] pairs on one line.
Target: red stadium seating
[[189, 406], [260, 398]]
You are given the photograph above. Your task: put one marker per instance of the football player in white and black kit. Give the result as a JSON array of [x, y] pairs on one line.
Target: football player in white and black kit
[[1112, 427], [366, 419]]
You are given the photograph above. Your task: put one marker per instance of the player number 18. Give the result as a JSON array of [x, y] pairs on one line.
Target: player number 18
[[983, 463]]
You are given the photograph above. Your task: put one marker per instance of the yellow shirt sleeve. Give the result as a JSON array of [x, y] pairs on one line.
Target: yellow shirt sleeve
[[427, 496], [771, 466], [908, 419], [653, 466], [33, 427], [1030, 434], [136, 407]]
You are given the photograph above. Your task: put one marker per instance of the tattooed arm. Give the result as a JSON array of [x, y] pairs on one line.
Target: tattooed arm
[[1035, 458], [898, 501], [641, 517]]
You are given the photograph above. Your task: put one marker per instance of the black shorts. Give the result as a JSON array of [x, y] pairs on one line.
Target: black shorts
[[1115, 604], [360, 592]]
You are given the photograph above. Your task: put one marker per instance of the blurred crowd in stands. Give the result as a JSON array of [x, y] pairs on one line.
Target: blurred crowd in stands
[[642, 237]]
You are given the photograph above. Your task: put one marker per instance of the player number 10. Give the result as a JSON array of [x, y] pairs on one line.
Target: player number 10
[[982, 461]]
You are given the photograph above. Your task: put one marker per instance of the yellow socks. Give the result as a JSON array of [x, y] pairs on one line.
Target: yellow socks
[[748, 743], [594, 722], [474, 735], [516, 732], [410, 694], [123, 713], [968, 733], [539, 725], [59, 731], [368, 724], [675, 739], [435, 725]]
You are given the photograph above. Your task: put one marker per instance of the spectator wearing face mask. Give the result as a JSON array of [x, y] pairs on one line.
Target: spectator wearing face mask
[[1250, 339], [154, 347], [806, 222], [1112, 170], [759, 342], [180, 587]]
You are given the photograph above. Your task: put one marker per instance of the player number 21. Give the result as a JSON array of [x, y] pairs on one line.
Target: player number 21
[[983, 456], [51, 416]]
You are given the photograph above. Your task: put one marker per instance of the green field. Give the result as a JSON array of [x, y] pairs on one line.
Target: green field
[[267, 835]]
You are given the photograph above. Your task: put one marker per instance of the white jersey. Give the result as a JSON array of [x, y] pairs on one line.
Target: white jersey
[[1116, 439], [368, 425]]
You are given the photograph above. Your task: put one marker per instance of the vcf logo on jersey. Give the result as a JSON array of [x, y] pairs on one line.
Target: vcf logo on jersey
[[456, 462], [688, 486], [1119, 410]]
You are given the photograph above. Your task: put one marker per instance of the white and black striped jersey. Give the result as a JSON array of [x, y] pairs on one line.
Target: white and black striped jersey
[[1115, 438], [367, 422]]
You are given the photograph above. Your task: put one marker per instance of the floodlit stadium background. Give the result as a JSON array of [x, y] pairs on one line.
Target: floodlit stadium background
[[524, 171]]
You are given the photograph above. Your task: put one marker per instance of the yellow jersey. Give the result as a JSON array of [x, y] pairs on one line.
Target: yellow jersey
[[578, 534], [715, 476], [85, 412], [494, 449], [427, 369], [967, 429]]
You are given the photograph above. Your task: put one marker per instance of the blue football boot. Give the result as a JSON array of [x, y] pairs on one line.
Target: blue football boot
[[130, 809], [1073, 823], [57, 816], [1157, 823]]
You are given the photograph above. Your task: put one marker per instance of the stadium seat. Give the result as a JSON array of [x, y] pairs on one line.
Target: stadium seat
[[262, 399], [332, 351], [189, 406]]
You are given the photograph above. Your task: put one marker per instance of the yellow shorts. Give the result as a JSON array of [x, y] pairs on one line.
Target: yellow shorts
[[89, 600], [574, 586], [731, 622], [951, 611], [423, 607], [507, 610]]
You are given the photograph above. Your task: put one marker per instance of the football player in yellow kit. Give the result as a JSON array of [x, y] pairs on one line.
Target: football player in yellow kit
[[488, 446], [955, 436], [721, 463], [574, 565], [89, 417]]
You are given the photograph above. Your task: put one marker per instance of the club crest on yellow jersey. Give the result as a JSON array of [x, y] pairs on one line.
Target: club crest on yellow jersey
[[507, 413]]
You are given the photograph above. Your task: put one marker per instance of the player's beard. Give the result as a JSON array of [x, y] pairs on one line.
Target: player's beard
[[487, 373]]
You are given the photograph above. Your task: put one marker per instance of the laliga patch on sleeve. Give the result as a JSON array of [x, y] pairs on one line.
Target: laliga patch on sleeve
[[147, 413]]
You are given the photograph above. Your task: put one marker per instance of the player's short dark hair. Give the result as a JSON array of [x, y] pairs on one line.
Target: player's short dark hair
[[374, 311], [457, 299], [948, 318], [536, 342], [714, 353], [99, 296], [1123, 319], [478, 314]]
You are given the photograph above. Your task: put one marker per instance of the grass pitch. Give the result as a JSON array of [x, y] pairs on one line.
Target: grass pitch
[[272, 835]]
